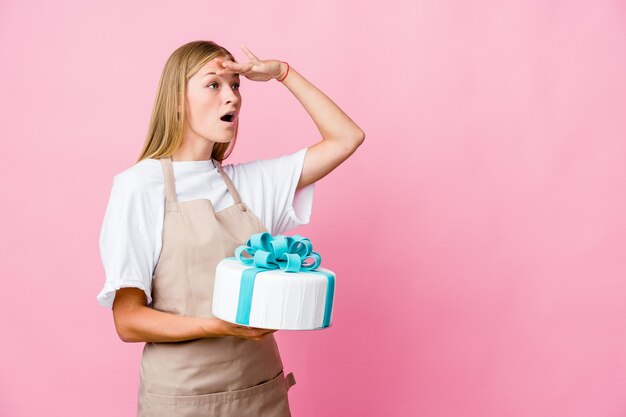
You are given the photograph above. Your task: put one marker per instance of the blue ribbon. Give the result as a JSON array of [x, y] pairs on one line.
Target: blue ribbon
[[288, 253]]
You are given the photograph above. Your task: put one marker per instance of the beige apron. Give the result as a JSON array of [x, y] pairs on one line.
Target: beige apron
[[214, 376]]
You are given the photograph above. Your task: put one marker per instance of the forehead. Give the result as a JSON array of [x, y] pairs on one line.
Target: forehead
[[211, 67]]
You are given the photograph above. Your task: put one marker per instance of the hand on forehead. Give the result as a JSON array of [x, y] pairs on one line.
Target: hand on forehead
[[221, 69]]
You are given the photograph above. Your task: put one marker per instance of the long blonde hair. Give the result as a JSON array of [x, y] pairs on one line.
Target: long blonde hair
[[165, 132]]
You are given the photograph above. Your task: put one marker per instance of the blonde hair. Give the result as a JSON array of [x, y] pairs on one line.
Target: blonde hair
[[165, 132]]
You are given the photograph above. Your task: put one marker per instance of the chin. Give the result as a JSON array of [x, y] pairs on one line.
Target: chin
[[222, 140]]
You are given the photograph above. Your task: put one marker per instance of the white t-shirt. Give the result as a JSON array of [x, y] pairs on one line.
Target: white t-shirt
[[131, 233]]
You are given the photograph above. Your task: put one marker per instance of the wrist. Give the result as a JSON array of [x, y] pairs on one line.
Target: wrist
[[213, 327], [284, 71]]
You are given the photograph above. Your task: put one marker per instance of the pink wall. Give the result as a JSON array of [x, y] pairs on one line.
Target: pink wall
[[478, 235]]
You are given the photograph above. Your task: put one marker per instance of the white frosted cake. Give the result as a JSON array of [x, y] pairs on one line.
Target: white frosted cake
[[272, 298]]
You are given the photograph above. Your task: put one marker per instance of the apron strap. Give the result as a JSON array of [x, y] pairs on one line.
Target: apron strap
[[170, 185], [229, 183], [290, 380], [168, 173]]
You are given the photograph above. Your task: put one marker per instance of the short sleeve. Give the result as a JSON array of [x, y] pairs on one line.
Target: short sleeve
[[269, 187], [126, 247]]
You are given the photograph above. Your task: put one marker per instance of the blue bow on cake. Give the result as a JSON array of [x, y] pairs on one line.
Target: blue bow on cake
[[288, 253], [285, 252]]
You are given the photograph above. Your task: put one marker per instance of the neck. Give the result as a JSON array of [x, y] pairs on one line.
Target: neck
[[193, 148]]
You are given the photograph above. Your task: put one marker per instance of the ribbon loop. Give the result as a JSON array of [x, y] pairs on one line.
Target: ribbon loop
[[287, 253]]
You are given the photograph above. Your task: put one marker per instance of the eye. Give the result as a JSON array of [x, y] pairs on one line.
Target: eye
[[237, 85]]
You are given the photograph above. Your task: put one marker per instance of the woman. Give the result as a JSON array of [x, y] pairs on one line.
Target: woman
[[160, 254]]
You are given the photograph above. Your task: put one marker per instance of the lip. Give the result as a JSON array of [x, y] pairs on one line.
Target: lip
[[232, 122]]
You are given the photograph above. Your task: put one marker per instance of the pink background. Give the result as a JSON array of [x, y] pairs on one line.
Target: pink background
[[478, 235]]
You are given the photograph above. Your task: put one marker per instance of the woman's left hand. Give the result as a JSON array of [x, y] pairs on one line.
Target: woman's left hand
[[255, 69]]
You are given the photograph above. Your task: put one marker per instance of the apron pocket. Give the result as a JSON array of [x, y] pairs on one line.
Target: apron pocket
[[268, 399]]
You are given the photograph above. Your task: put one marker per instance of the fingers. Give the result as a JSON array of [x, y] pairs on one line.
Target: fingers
[[249, 54], [226, 66], [258, 333], [231, 66], [247, 332]]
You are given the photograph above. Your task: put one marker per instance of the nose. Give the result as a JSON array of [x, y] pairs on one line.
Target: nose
[[231, 95]]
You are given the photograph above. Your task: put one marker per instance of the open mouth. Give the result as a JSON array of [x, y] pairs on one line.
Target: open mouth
[[228, 118]]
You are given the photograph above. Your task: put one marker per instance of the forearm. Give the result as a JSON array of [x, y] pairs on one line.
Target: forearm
[[145, 324], [331, 121]]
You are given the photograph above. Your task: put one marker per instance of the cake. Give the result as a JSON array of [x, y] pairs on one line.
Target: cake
[[275, 287]]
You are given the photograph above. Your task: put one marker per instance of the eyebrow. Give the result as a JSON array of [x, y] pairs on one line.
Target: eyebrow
[[236, 74]]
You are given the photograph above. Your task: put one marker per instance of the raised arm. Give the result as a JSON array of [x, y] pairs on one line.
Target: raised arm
[[340, 135]]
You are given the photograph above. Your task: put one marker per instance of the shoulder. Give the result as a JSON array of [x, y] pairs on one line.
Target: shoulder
[[137, 194], [143, 176], [264, 167]]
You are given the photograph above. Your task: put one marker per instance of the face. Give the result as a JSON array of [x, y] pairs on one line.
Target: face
[[209, 97]]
